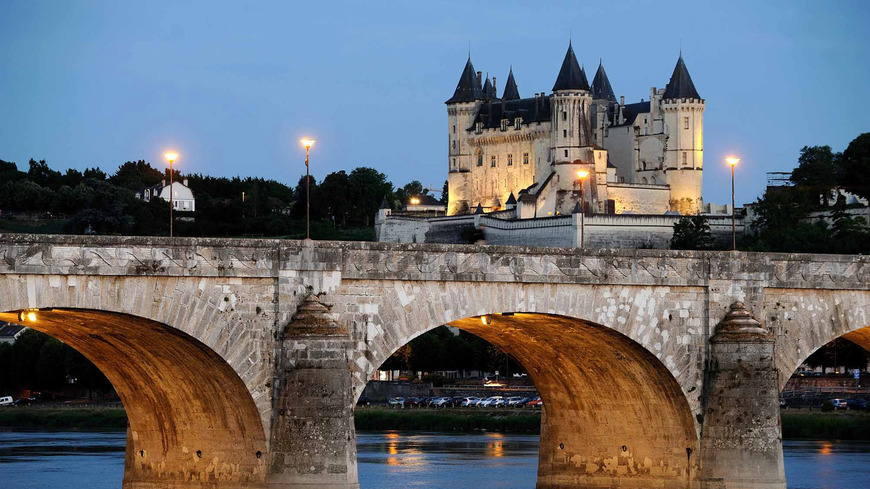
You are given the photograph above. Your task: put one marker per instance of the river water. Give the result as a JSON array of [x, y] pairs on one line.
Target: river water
[[92, 459]]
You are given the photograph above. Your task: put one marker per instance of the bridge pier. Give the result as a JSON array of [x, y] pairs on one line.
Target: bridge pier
[[741, 439], [313, 443]]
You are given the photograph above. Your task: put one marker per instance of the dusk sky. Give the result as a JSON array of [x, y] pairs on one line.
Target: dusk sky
[[232, 86]]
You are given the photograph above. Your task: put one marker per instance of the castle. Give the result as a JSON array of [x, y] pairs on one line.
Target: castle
[[528, 154]]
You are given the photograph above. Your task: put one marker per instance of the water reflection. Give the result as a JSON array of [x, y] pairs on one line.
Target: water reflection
[[39, 459]]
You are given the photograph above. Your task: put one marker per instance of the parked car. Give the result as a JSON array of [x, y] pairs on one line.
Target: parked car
[[535, 402], [25, 401], [6, 401], [838, 403], [513, 401], [470, 401], [457, 401], [364, 401], [396, 402], [442, 402], [494, 401], [856, 403], [413, 402]]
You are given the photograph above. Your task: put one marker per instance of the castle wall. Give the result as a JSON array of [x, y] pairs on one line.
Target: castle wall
[[640, 199], [619, 142]]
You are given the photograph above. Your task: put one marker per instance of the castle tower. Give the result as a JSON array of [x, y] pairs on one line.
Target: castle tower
[[511, 92], [603, 104], [571, 139], [461, 110], [683, 111]]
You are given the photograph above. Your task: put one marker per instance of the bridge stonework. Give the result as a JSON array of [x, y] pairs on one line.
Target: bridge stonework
[[221, 391]]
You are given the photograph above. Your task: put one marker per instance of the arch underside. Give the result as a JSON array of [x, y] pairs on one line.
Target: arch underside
[[192, 420], [614, 415]]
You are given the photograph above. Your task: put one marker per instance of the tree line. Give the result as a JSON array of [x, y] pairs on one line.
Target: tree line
[[96, 202], [810, 214]]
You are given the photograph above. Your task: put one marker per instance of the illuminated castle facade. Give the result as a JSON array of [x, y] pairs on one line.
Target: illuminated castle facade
[[508, 152]]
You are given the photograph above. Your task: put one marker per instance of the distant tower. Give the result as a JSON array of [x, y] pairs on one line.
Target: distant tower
[[683, 111], [461, 110], [569, 113], [604, 104]]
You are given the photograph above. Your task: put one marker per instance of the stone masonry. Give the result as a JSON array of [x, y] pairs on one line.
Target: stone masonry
[[228, 383]]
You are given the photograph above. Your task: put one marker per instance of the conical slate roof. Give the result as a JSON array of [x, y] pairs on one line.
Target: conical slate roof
[[384, 204], [571, 77], [479, 209], [511, 200], [488, 89], [468, 88], [681, 85], [510, 89], [601, 88]]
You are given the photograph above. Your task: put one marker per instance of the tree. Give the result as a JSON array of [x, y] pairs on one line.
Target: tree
[[44, 176], [816, 173], [136, 175], [367, 188], [849, 234], [854, 165], [692, 233], [444, 193], [330, 197]]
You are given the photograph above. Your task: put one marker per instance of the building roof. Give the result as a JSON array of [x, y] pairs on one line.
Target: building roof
[[571, 77], [631, 111], [479, 209], [488, 89], [681, 85], [468, 89], [511, 200], [535, 109], [510, 89], [384, 204], [601, 88]]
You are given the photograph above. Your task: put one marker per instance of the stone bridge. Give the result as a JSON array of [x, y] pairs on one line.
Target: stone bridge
[[239, 361]]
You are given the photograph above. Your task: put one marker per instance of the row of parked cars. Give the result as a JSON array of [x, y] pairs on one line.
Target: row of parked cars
[[470, 401], [851, 403]]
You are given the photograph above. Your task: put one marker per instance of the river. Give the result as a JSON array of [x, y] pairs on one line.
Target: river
[[93, 459]]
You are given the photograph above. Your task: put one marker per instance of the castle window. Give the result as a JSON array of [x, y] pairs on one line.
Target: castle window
[[517, 122], [525, 158], [454, 144], [504, 124], [479, 159], [685, 122], [454, 128], [454, 163], [492, 161], [685, 159], [564, 116], [510, 160], [564, 133], [566, 153]]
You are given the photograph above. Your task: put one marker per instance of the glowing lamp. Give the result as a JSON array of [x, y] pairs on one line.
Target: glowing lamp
[[307, 142], [170, 157], [415, 201], [486, 320], [732, 160], [27, 316], [582, 174]]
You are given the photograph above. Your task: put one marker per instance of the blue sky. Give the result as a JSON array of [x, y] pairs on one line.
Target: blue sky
[[232, 86]]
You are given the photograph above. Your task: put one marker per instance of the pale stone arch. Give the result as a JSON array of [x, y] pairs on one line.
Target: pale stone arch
[[804, 320], [603, 387]]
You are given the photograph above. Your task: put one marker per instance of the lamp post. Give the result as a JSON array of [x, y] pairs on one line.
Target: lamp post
[[582, 174], [733, 162], [171, 157], [307, 143]]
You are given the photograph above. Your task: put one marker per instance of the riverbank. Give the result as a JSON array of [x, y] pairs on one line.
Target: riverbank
[[63, 417], [796, 424]]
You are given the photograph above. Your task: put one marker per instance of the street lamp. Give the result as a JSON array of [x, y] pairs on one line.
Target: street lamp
[[171, 157], [307, 143], [582, 174], [733, 162]]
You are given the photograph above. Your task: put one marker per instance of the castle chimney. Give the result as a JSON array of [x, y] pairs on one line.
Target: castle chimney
[[480, 78], [185, 183], [622, 100], [494, 90], [163, 182]]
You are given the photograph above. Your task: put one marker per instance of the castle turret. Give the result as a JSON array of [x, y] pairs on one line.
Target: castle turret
[[461, 110], [604, 104], [683, 111], [510, 89]]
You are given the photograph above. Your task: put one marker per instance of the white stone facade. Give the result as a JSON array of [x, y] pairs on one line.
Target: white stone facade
[[533, 148]]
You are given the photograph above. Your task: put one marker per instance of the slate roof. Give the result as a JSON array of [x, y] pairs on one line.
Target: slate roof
[[601, 88], [511, 200], [488, 89], [510, 89], [426, 199], [571, 77], [491, 114], [9, 330], [468, 89], [681, 85], [631, 111]]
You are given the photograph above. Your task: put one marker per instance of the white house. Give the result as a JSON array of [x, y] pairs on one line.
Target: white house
[[182, 197]]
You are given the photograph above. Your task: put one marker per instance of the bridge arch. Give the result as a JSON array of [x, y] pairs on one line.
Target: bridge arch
[[805, 320], [614, 412], [189, 367]]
